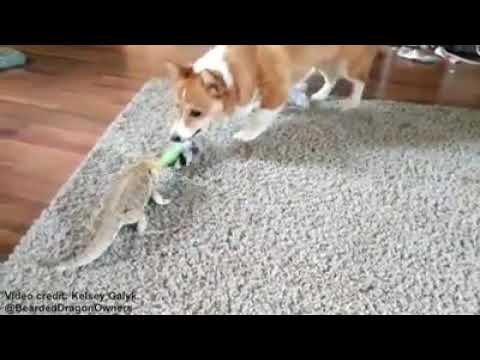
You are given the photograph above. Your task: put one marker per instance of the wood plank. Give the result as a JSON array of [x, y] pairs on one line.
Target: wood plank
[[95, 86], [71, 141], [88, 104], [38, 162], [8, 241], [34, 189], [444, 96], [17, 115], [17, 214]]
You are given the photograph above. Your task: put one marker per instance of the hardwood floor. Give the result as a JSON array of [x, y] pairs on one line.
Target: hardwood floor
[[53, 111]]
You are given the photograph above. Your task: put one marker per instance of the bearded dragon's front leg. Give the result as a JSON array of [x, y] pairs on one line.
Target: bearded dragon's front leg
[[137, 217]]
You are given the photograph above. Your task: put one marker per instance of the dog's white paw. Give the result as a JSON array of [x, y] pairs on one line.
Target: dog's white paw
[[320, 96], [246, 135], [299, 98], [346, 105], [303, 87]]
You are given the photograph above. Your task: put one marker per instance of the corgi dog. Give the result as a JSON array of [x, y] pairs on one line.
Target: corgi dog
[[239, 80]]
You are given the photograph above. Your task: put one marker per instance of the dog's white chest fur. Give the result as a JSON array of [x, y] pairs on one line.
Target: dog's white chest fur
[[244, 111], [215, 59], [241, 112]]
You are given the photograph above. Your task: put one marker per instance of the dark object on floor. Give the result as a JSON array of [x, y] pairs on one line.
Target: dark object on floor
[[10, 58], [469, 54], [416, 54], [454, 58], [469, 51]]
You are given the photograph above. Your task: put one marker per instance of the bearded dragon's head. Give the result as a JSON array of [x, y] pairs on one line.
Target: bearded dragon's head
[[153, 168]]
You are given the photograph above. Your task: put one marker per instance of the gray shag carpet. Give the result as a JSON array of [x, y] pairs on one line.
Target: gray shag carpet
[[372, 211]]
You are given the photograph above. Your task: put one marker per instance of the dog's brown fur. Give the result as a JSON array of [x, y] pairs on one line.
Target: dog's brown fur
[[269, 70]]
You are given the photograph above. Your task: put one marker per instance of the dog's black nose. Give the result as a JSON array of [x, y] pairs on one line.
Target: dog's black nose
[[175, 138], [195, 149]]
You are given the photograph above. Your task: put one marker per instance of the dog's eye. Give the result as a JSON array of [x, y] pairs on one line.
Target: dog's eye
[[195, 113]]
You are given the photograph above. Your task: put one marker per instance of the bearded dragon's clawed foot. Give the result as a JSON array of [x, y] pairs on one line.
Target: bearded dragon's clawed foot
[[159, 199], [142, 226]]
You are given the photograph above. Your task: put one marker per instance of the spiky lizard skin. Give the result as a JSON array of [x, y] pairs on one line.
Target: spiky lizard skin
[[124, 205]]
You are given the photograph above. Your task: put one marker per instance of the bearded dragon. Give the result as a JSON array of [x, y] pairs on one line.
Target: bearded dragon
[[125, 204]]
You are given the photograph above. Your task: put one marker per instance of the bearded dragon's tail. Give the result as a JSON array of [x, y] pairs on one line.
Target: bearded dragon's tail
[[104, 237]]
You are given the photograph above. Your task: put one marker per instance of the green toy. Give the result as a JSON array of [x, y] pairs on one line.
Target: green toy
[[172, 155], [177, 154]]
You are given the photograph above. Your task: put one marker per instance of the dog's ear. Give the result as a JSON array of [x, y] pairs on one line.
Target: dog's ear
[[214, 83], [176, 71]]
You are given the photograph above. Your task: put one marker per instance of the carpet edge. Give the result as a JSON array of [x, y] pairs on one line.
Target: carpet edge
[[64, 188]]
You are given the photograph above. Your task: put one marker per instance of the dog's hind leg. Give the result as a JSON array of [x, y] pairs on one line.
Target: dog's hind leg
[[330, 74], [355, 98], [358, 73], [302, 85]]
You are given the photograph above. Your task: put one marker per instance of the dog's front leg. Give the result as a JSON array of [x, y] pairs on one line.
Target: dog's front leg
[[271, 105], [258, 124]]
